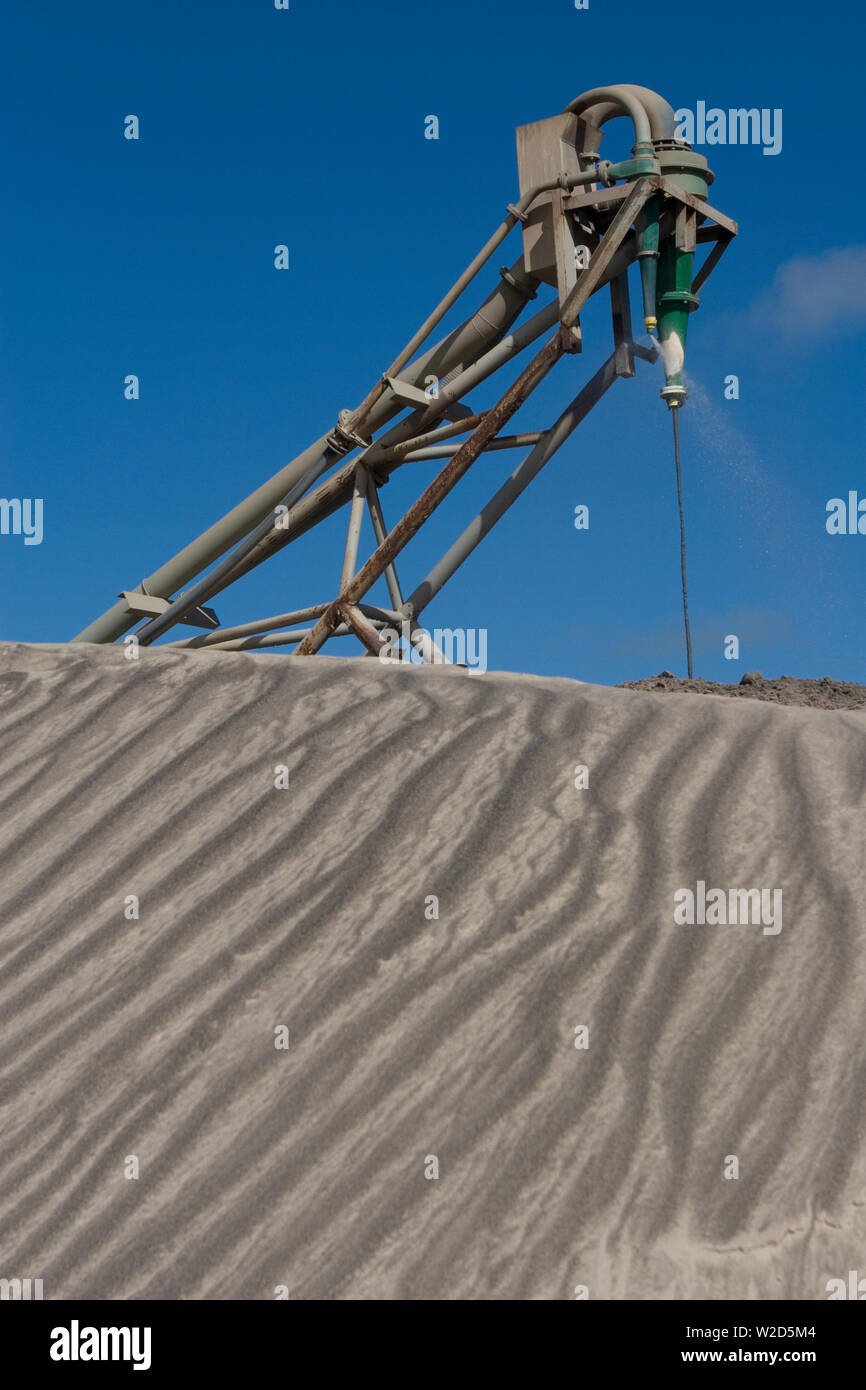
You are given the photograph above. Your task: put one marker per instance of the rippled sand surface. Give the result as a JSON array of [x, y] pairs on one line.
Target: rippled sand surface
[[414, 1038]]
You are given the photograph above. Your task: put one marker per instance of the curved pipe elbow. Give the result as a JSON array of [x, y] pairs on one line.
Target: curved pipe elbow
[[619, 99], [662, 117]]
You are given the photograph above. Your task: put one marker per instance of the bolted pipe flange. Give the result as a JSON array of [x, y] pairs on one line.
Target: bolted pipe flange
[[342, 441]]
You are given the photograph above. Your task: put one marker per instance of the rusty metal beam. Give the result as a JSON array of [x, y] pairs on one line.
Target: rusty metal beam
[[436, 492], [273, 535], [523, 475], [354, 619], [588, 282], [620, 305]]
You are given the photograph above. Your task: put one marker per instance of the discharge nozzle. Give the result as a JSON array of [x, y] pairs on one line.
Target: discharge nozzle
[[675, 396]]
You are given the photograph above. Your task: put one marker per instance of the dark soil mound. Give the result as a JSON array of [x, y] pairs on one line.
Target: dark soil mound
[[786, 690]]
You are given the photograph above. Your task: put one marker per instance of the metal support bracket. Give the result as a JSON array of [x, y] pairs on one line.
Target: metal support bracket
[[723, 240], [150, 606], [342, 440], [673, 190], [418, 399]]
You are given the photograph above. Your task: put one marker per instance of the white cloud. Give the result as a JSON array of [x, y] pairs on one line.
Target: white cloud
[[816, 294]]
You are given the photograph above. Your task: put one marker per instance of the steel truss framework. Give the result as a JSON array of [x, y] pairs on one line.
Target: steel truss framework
[[290, 504]]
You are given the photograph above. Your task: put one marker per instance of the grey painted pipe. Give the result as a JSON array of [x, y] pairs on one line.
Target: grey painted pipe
[[268, 539], [202, 551], [380, 531], [208, 639], [377, 618], [662, 117], [307, 466], [359, 418], [496, 314], [335, 491], [620, 96], [211, 582], [356, 517], [303, 470], [258, 625], [279, 639], [498, 303], [494, 358], [446, 451], [468, 341]]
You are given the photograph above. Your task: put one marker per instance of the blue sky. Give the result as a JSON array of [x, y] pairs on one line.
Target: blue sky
[[306, 127]]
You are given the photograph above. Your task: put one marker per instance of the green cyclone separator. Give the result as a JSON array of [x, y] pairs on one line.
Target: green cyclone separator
[[674, 298], [648, 254], [674, 303]]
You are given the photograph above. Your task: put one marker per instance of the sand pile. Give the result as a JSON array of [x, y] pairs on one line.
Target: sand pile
[[476, 957]]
